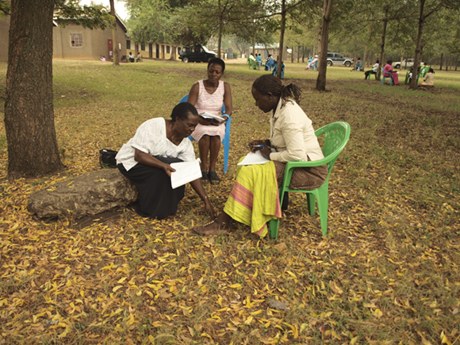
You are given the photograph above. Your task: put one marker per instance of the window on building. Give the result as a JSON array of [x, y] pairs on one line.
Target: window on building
[[128, 44], [168, 49], [142, 46], [76, 40]]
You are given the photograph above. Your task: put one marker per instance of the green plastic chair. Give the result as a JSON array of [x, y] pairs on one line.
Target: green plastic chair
[[383, 77], [423, 71], [335, 136]]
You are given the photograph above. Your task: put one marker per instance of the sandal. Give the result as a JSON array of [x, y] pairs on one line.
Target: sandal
[[213, 177], [204, 176]]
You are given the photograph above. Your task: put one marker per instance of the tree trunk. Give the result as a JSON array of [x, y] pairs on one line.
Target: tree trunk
[[440, 64], [29, 115], [115, 52], [221, 28], [382, 43], [282, 29], [322, 69], [418, 45]]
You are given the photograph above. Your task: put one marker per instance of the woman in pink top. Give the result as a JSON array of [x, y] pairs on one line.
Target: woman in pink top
[[389, 72], [208, 96]]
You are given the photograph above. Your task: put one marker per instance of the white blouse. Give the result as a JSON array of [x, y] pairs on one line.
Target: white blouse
[[151, 138]]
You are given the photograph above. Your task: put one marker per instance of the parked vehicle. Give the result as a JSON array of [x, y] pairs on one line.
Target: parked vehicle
[[406, 63], [336, 58], [198, 53]]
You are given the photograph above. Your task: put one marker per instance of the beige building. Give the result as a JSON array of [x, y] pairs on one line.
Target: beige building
[[73, 41], [158, 51]]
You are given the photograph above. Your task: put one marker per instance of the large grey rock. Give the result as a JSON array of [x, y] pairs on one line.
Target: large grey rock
[[85, 195]]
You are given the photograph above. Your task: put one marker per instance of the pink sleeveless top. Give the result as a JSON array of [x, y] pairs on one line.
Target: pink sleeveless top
[[210, 103]]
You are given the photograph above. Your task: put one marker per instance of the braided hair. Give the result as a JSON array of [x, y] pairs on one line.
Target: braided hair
[[270, 85]]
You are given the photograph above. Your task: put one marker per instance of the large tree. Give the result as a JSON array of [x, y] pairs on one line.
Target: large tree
[[115, 52], [29, 114], [427, 8], [321, 79]]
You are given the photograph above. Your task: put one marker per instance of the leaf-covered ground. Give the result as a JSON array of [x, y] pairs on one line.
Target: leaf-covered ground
[[388, 273]]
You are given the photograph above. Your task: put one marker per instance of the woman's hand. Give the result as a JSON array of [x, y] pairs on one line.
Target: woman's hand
[[208, 122], [168, 169], [261, 145], [265, 151], [209, 209], [256, 145]]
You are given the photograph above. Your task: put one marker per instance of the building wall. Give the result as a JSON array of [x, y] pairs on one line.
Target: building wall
[[159, 51], [93, 43], [4, 29]]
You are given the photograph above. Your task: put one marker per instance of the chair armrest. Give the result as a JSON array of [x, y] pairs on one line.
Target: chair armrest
[[307, 164], [291, 166]]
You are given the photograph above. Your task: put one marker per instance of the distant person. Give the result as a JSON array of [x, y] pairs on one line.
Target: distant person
[[145, 160], [374, 70], [130, 57], [252, 61], [259, 60], [209, 95], [313, 64], [310, 58], [429, 78], [388, 71], [269, 64], [358, 64], [138, 57]]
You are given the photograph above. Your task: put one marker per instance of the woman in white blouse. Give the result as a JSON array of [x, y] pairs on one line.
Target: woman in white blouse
[[145, 160]]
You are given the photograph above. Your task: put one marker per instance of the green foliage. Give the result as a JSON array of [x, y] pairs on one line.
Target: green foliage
[[192, 26], [5, 7], [94, 16], [150, 21]]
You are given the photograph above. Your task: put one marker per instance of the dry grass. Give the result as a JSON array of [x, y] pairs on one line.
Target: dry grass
[[387, 274]]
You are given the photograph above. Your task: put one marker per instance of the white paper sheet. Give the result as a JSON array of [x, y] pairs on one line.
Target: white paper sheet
[[185, 173], [253, 158]]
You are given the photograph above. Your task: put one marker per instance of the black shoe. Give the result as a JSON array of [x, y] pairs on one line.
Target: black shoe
[[204, 176], [213, 178]]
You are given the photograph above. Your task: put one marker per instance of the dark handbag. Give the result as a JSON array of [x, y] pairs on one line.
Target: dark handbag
[[107, 158]]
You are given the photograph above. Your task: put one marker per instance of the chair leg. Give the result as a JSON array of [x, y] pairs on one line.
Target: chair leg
[[323, 203], [226, 154], [226, 143], [311, 200], [285, 204], [273, 226]]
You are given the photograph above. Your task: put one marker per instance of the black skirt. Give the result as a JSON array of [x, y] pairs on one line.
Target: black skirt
[[156, 198]]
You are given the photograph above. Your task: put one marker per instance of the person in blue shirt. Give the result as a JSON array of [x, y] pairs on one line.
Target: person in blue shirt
[[258, 60]]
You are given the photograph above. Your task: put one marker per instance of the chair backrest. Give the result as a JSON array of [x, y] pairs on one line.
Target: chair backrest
[[335, 136], [423, 71], [185, 99]]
